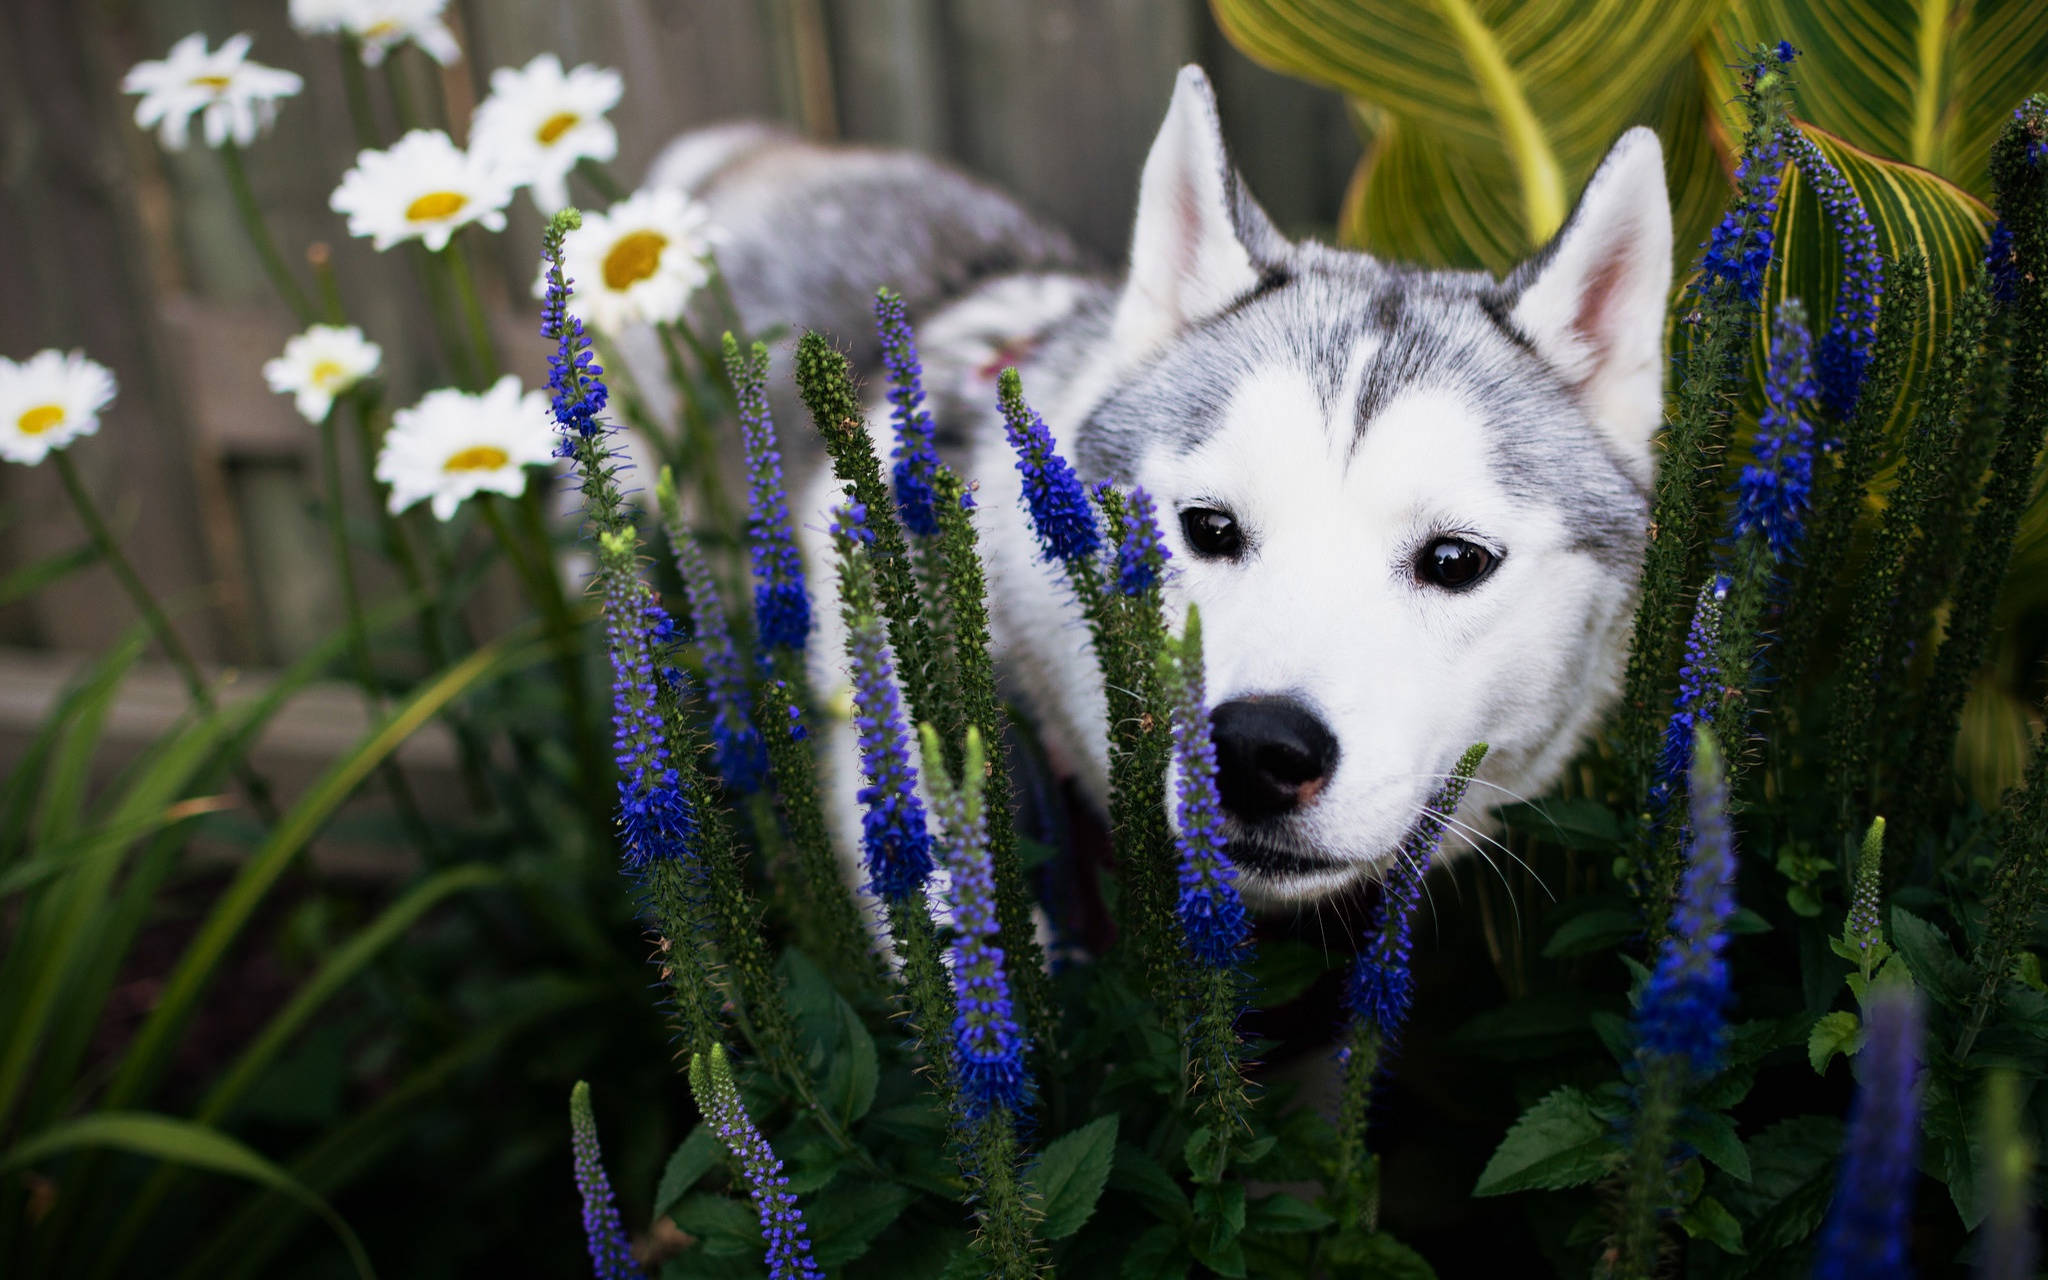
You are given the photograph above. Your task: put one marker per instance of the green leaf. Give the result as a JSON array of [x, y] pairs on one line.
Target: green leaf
[[1713, 1136], [846, 1217], [29, 579], [1138, 1173], [1527, 106], [1931, 959], [1573, 824], [1792, 1177], [1377, 1255], [1205, 1153], [1929, 84], [850, 1084], [1220, 1209], [1070, 1175], [1284, 1215], [1284, 969], [1707, 1219], [1536, 1026], [184, 1142], [1560, 1142], [1156, 1255], [727, 1227], [696, 1156], [1838, 1032], [1591, 931]]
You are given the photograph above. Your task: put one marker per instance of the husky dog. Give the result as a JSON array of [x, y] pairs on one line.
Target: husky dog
[[1410, 504]]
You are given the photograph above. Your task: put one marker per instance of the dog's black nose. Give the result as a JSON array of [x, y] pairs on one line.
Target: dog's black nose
[[1272, 756]]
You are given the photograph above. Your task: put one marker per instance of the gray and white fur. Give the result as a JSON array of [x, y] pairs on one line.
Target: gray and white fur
[[1350, 418]]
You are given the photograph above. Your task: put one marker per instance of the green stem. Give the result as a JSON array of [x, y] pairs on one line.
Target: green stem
[[472, 310], [259, 234], [698, 446], [360, 113], [447, 329], [600, 179]]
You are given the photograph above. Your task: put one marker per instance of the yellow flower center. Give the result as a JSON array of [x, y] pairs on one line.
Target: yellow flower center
[[215, 83], [327, 373], [478, 457], [40, 419], [382, 28], [635, 257], [556, 125], [435, 205]]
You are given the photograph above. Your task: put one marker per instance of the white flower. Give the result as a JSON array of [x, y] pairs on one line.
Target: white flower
[[538, 122], [48, 401], [236, 98], [638, 262], [424, 186], [452, 445], [381, 24], [320, 364]]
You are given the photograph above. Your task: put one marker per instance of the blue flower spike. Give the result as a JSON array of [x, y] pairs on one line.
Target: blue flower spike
[[783, 1228], [611, 1253], [1773, 494], [1212, 915], [1060, 511], [1869, 1223], [782, 607], [895, 841], [988, 1043], [1843, 355], [742, 758], [1141, 555], [1681, 1019], [916, 455]]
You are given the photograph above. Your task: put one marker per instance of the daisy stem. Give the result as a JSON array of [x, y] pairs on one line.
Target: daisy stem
[[360, 113], [320, 259], [259, 234], [434, 280], [472, 309], [600, 179], [124, 573], [698, 447]]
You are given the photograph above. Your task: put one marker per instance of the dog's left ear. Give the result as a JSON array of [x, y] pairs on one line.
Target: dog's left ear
[[1593, 301], [1201, 242]]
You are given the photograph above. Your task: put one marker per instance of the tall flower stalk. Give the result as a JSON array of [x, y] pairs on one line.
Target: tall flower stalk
[[783, 1228], [1382, 988], [1869, 1223], [1214, 928], [992, 1081], [1680, 1019], [611, 1253]]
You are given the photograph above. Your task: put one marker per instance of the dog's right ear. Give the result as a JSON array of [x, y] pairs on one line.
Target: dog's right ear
[[1201, 242]]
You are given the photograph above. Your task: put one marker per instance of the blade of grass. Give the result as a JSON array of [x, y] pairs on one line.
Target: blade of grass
[[168, 1138]]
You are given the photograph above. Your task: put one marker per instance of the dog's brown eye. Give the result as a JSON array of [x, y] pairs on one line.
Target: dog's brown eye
[[1213, 534], [1453, 563]]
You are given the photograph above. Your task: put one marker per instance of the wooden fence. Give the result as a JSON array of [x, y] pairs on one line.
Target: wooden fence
[[109, 244]]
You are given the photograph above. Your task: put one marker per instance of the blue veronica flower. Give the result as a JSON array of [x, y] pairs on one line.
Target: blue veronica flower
[[742, 757], [1739, 250], [782, 1223], [1142, 555], [782, 608], [1843, 356], [988, 1043], [1060, 512], [611, 1254], [797, 731], [1871, 1216], [655, 819], [1681, 1017], [1212, 916], [1382, 987], [894, 837], [574, 377], [1699, 692], [916, 454], [1786, 53], [1773, 494]]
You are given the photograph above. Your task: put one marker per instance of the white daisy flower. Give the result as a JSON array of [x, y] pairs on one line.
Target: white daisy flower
[[233, 97], [539, 121], [424, 186], [453, 445], [380, 25], [49, 400], [638, 262], [320, 364]]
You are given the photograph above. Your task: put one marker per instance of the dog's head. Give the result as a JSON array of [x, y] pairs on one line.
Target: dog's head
[[1410, 504]]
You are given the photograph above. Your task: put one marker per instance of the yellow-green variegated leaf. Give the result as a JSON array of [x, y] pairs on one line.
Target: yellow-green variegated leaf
[[1532, 89], [1910, 208], [1927, 81], [1416, 198]]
